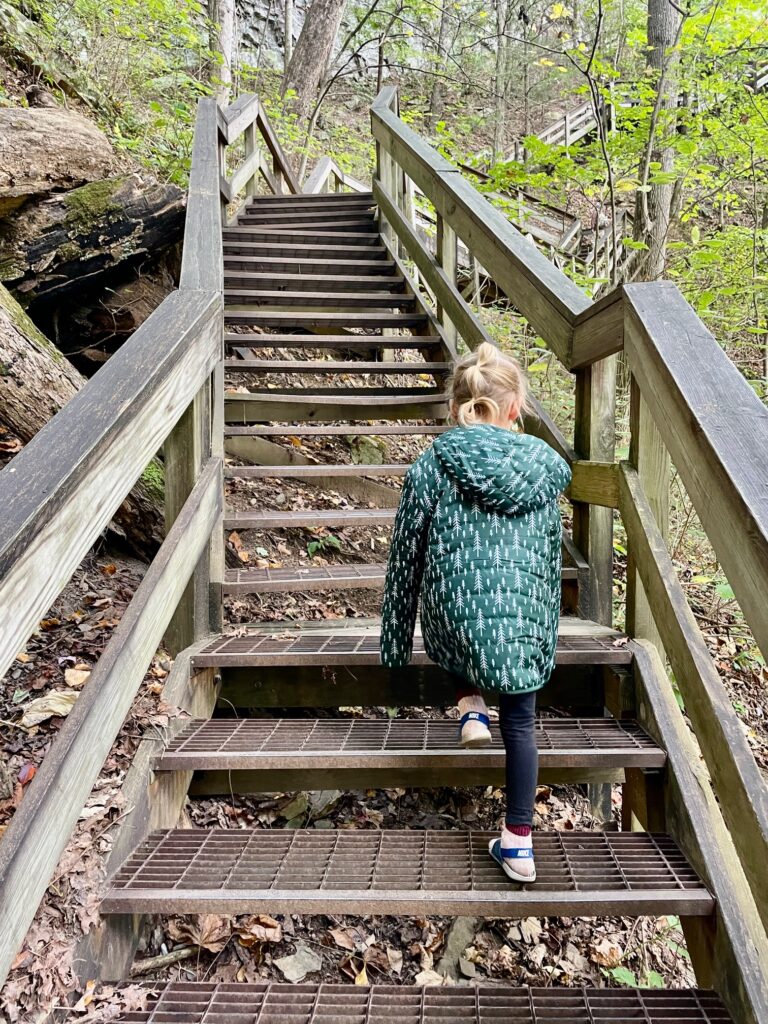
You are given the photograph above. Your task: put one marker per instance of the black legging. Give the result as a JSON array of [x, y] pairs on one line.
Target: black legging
[[517, 716]]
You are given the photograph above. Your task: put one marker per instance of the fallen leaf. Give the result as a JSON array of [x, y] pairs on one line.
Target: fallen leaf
[[57, 703], [429, 978], [27, 773], [209, 931], [362, 977], [258, 930], [23, 658], [75, 677], [86, 998], [395, 958], [108, 570], [607, 952], [296, 967], [343, 938]]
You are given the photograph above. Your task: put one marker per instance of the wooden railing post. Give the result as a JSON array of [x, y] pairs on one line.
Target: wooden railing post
[[649, 456], [250, 149], [447, 257], [595, 439]]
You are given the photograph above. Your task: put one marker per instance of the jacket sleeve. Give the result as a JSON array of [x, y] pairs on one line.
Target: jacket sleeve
[[404, 571]]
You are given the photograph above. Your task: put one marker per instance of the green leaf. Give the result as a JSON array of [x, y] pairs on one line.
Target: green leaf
[[725, 592], [623, 976], [654, 980], [695, 234]]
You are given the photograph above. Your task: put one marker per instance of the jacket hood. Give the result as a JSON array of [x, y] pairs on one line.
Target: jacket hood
[[500, 470]]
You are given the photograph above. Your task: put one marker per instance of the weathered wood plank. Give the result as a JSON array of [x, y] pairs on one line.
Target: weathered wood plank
[[436, 277], [239, 115], [598, 331], [202, 262], [60, 492], [696, 823], [595, 439], [736, 777], [595, 483], [245, 172], [153, 800], [545, 296], [716, 429], [274, 147], [41, 827]]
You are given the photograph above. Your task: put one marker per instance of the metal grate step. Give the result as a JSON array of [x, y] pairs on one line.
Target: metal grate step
[[269, 1003], [328, 577], [270, 743], [355, 871], [594, 645], [234, 297]]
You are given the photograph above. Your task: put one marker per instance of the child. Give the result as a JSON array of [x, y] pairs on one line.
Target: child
[[478, 535]]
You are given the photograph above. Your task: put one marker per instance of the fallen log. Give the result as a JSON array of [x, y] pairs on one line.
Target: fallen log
[[36, 380], [49, 149], [64, 242]]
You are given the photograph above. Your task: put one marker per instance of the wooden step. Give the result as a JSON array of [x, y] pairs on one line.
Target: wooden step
[[349, 225], [299, 236], [261, 405], [314, 470], [330, 430], [300, 318], [359, 744], [579, 642], [337, 341], [332, 366], [308, 266], [313, 282], [307, 300], [311, 198], [240, 245], [308, 215], [269, 520], [268, 1003], [357, 871], [311, 207]]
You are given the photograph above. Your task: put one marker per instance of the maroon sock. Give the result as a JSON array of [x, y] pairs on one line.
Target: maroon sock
[[466, 691], [519, 830]]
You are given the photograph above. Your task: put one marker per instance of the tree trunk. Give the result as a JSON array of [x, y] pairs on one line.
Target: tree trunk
[[57, 245], [500, 81], [288, 44], [654, 207], [312, 56], [437, 99], [35, 382], [221, 16]]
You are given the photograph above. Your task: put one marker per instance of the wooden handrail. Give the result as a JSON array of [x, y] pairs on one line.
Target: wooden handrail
[[41, 827], [326, 168], [716, 430], [63, 488], [548, 299], [736, 778]]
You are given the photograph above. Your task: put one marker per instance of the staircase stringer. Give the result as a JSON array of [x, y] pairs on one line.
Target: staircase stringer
[[153, 800], [729, 951]]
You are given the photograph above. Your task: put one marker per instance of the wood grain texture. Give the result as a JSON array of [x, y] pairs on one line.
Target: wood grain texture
[[63, 488], [545, 296], [696, 824], [736, 778], [202, 263], [41, 827], [436, 276], [153, 800], [716, 430], [598, 331]]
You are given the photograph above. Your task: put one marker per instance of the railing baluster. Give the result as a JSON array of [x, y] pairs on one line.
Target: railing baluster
[[447, 258]]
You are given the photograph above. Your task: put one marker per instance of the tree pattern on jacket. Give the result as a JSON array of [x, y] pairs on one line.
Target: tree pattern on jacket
[[478, 536]]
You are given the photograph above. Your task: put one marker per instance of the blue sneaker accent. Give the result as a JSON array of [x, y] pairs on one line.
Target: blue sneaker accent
[[475, 716], [500, 854]]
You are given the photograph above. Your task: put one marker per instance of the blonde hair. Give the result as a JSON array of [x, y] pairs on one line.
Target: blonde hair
[[485, 383]]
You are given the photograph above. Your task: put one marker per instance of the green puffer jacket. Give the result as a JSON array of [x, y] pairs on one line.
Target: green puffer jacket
[[478, 533]]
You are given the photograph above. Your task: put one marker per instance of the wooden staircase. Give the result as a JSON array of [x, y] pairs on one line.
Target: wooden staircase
[[324, 334], [183, 871]]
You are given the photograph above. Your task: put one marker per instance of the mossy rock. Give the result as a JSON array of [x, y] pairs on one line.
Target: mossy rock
[[367, 451]]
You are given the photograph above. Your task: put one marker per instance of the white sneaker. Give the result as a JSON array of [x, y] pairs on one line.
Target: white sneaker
[[474, 731], [514, 854]]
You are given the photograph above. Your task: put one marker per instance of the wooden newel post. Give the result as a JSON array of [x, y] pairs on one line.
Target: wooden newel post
[[650, 458], [250, 149]]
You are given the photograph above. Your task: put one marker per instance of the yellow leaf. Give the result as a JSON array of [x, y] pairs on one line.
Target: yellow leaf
[[362, 977]]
